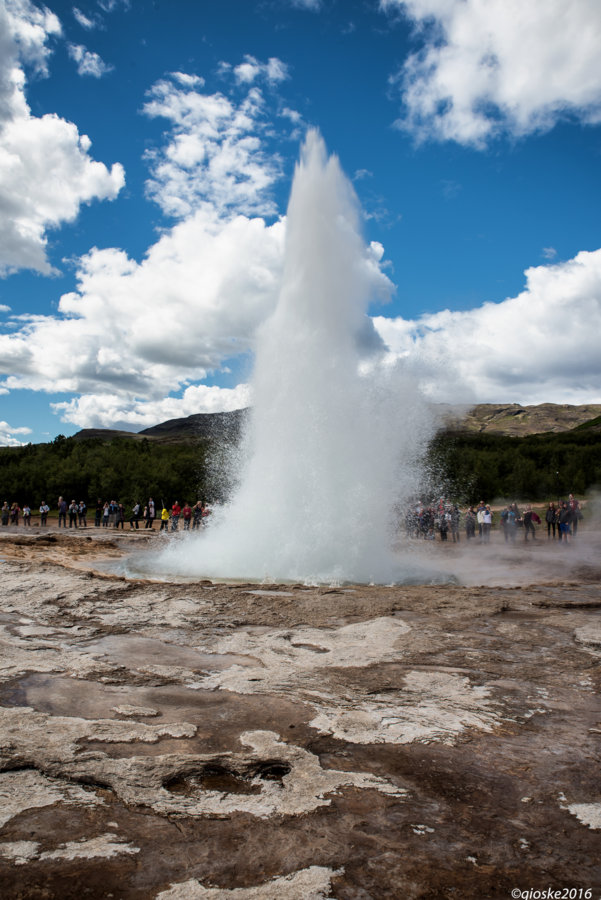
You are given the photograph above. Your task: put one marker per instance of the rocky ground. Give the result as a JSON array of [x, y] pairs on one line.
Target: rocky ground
[[183, 741]]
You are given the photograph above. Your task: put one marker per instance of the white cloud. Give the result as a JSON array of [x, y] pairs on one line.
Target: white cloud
[[214, 154], [313, 5], [110, 6], [46, 172], [88, 63], [542, 344], [274, 70], [142, 330], [110, 411], [83, 20], [494, 66], [134, 332], [7, 435], [190, 81], [24, 32]]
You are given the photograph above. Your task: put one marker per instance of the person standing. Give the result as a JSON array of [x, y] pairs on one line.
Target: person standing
[[120, 516], [550, 517], [164, 520], [135, 515], [27, 514], [62, 512], [486, 524], [470, 523], [197, 515], [106, 513], [44, 510], [455, 523], [98, 513], [14, 514], [574, 506], [187, 515], [528, 523], [82, 513], [151, 513], [73, 511], [175, 514], [565, 520], [480, 519], [5, 512]]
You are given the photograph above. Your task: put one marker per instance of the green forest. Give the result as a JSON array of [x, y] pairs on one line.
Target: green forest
[[536, 467], [123, 469], [465, 466]]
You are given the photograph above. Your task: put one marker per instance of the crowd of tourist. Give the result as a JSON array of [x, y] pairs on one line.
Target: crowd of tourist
[[443, 518], [112, 514]]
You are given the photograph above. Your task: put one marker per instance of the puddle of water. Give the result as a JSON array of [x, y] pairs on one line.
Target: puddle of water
[[61, 695], [220, 716], [211, 778], [133, 650]]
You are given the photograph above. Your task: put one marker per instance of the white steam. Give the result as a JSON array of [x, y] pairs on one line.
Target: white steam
[[332, 445]]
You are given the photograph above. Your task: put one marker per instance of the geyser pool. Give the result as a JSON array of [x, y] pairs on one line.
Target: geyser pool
[[334, 434]]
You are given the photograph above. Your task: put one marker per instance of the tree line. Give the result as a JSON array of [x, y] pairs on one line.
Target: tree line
[[534, 467], [124, 469], [466, 466]]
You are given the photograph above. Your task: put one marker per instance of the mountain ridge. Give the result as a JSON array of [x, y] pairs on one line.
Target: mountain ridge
[[502, 418]]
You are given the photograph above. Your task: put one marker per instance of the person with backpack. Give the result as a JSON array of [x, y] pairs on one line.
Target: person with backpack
[[529, 518]]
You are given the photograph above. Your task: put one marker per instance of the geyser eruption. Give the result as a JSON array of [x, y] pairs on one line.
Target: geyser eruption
[[334, 431]]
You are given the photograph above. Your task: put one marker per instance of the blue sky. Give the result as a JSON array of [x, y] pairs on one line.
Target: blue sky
[[146, 155]]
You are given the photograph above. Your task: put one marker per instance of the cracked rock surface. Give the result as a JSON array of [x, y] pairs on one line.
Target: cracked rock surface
[[195, 740]]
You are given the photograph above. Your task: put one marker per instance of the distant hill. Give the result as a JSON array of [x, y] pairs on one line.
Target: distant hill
[[202, 426], [489, 418], [519, 421]]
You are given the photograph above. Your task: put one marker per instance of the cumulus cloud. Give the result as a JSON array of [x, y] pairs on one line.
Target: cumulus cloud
[[274, 70], [46, 171], [498, 66], [88, 63], [110, 411], [136, 337], [7, 435], [213, 154], [135, 332], [542, 343]]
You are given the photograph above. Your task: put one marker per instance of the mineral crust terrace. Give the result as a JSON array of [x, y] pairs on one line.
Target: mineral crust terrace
[[168, 740]]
